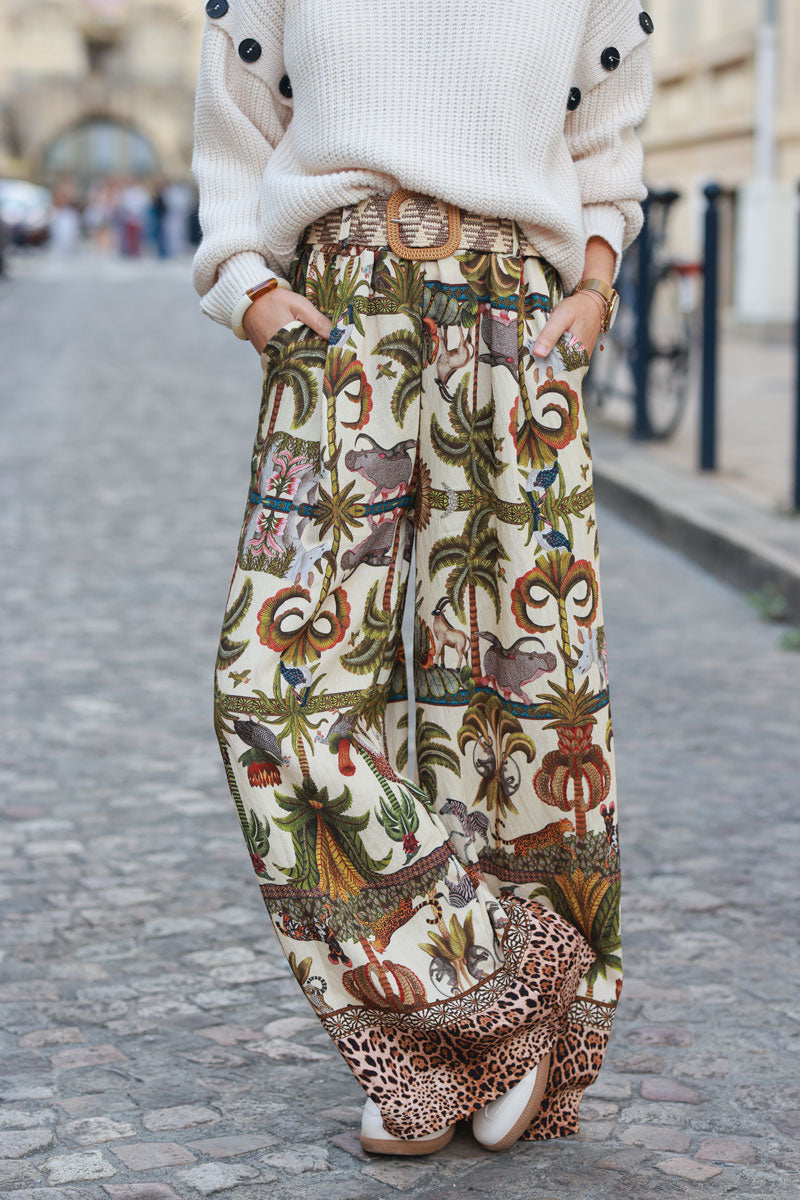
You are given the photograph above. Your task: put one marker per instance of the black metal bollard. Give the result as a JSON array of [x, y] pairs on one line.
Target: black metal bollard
[[796, 463], [708, 397], [642, 428]]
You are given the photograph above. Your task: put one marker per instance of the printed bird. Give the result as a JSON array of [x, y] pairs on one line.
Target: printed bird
[[386, 371], [473, 824], [341, 334], [239, 676], [262, 739], [297, 677], [541, 480], [551, 540]]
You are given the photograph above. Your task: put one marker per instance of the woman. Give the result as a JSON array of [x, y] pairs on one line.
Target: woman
[[415, 213]]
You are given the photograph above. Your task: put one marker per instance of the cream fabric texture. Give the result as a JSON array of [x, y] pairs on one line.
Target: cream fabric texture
[[457, 100]]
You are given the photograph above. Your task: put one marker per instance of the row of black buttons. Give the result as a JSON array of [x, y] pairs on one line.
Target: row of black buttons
[[249, 49], [610, 58]]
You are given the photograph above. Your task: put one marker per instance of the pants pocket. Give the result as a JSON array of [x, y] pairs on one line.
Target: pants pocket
[[278, 337]]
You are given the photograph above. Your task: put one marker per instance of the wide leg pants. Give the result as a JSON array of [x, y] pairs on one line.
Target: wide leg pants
[[452, 924]]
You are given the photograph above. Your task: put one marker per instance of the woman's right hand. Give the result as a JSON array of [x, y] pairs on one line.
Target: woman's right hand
[[270, 312]]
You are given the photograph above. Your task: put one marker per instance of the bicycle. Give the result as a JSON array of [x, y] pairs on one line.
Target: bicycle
[[672, 325]]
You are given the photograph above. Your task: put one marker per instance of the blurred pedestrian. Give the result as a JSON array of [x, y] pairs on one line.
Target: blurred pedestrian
[[65, 220], [133, 208]]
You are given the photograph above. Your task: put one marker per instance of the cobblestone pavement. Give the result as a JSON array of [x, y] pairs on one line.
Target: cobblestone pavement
[[153, 1042]]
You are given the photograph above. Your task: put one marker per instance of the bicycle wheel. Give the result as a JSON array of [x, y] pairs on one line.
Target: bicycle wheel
[[670, 342]]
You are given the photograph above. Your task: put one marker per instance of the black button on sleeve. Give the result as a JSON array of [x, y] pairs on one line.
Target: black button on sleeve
[[217, 8], [646, 22], [574, 98], [249, 50], [610, 58], [285, 87]]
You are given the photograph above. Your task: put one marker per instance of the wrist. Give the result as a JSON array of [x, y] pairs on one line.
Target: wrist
[[245, 301]]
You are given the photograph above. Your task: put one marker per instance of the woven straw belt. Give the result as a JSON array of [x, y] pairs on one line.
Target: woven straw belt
[[417, 227]]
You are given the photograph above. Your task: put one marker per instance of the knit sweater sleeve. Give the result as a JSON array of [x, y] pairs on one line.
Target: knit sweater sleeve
[[608, 157], [237, 124]]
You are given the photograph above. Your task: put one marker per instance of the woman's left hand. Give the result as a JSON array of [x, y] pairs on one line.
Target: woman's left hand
[[582, 314]]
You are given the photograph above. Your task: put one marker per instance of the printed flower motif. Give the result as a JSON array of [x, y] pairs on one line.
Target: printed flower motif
[[259, 772], [307, 641], [259, 866], [410, 843]]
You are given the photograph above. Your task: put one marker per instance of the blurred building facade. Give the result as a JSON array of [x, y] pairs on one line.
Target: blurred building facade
[[93, 87], [727, 109]]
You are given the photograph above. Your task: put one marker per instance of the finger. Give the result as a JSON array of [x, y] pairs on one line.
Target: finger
[[555, 325], [305, 311]]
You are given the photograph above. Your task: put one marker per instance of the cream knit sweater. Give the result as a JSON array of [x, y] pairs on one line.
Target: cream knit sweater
[[526, 109]]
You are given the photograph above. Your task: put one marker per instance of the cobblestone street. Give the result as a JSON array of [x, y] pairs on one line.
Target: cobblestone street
[[153, 1041]]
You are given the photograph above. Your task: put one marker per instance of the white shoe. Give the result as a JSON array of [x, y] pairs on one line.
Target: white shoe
[[376, 1140], [498, 1125]]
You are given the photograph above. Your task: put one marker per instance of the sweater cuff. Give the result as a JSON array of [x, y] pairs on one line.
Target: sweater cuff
[[606, 221], [236, 274]]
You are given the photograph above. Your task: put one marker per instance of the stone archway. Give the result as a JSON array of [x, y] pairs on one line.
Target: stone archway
[[98, 146]]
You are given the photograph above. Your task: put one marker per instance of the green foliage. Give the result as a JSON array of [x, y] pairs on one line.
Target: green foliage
[[398, 815], [229, 650], [790, 640], [769, 602]]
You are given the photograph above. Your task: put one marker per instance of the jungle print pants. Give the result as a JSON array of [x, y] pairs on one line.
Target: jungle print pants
[[449, 925]]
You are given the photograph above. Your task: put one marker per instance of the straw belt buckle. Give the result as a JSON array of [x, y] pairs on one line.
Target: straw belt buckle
[[419, 253]]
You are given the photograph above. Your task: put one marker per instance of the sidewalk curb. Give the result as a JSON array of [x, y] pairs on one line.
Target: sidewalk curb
[[716, 547]]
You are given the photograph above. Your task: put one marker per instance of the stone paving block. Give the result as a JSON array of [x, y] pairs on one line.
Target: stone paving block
[[169, 926], [87, 1056], [96, 1104], [17, 1090], [287, 1027], [52, 1037], [180, 1116], [688, 1168], [20, 1118], [640, 1064], [306, 1157], [788, 1123], [146, 1156], [86, 1131], [595, 1131], [625, 1159], [15, 1173], [402, 1177], [140, 1191], [661, 1035], [351, 1144], [597, 1110], [609, 1087], [69, 1168], [727, 1149], [663, 1088], [656, 1137], [229, 1035], [222, 997], [235, 1144], [17, 1143], [209, 1178]]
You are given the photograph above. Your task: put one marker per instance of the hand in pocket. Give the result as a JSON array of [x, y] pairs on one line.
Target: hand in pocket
[[269, 313]]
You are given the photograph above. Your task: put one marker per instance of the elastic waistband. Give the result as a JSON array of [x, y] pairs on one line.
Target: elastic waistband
[[423, 221]]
